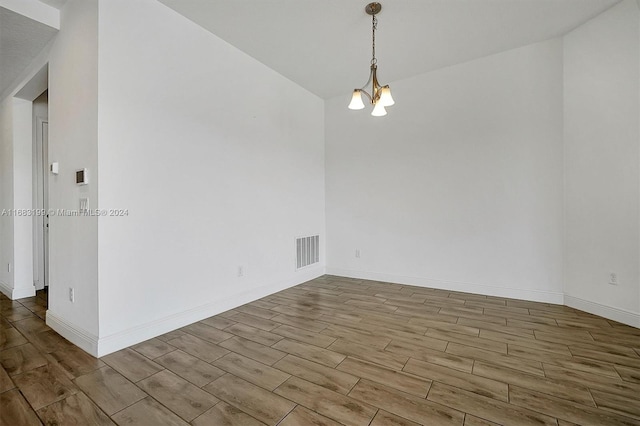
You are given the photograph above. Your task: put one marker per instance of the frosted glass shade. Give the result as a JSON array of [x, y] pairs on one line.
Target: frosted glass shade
[[385, 96], [378, 110], [356, 100]]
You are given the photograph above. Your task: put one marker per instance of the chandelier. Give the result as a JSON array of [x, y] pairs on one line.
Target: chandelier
[[380, 96]]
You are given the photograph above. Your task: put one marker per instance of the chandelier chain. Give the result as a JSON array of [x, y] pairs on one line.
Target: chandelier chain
[[374, 26]]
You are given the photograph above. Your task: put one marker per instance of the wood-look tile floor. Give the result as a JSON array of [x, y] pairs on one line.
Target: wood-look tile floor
[[334, 351]]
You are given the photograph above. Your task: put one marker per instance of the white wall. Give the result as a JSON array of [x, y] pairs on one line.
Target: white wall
[[219, 161], [22, 200], [73, 143], [16, 257], [602, 140], [460, 185], [6, 194]]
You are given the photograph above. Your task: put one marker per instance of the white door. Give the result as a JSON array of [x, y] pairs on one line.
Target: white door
[[41, 222], [45, 195]]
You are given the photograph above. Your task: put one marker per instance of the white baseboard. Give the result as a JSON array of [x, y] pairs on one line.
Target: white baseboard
[[22, 292], [616, 314], [132, 336], [81, 338], [17, 293], [488, 290], [6, 290]]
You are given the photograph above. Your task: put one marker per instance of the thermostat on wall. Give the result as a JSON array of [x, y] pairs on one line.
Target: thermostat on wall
[[82, 176]]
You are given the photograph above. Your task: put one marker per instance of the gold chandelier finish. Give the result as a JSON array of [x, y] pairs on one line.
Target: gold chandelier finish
[[380, 96]]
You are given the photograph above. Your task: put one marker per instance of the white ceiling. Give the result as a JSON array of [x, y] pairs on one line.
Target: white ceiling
[[55, 3], [21, 40], [325, 46]]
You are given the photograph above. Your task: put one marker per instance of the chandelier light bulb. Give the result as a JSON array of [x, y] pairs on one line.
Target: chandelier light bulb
[[356, 100], [385, 96], [378, 110]]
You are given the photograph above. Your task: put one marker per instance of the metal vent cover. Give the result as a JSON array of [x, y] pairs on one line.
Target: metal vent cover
[[307, 251]]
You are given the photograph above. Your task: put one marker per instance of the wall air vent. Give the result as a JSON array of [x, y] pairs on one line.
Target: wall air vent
[[307, 251]]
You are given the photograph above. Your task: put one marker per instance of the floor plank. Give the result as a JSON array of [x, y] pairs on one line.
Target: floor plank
[[341, 408], [75, 362], [190, 368], [207, 333], [618, 404], [628, 373], [471, 382], [131, 364], [527, 366], [153, 348], [310, 352], [180, 396], [566, 410], [252, 321], [568, 391], [324, 376], [361, 337], [10, 337], [16, 410], [384, 418], [592, 380], [5, 381], [404, 405], [465, 339], [109, 389], [304, 336], [44, 385], [19, 359], [487, 408], [253, 350], [428, 355], [384, 358], [75, 409], [199, 348], [302, 416], [218, 322], [252, 371], [626, 361], [265, 406], [223, 414], [251, 333], [148, 412], [398, 380], [306, 324]]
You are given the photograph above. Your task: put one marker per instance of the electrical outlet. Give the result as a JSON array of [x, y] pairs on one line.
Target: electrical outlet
[[72, 296], [358, 253], [240, 271], [613, 278]]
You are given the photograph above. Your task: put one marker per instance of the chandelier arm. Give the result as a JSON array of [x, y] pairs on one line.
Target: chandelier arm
[[368, 95], [375, 86], [371, 76]]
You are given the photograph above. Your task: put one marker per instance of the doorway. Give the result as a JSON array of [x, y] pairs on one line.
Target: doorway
[[41, 192]]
